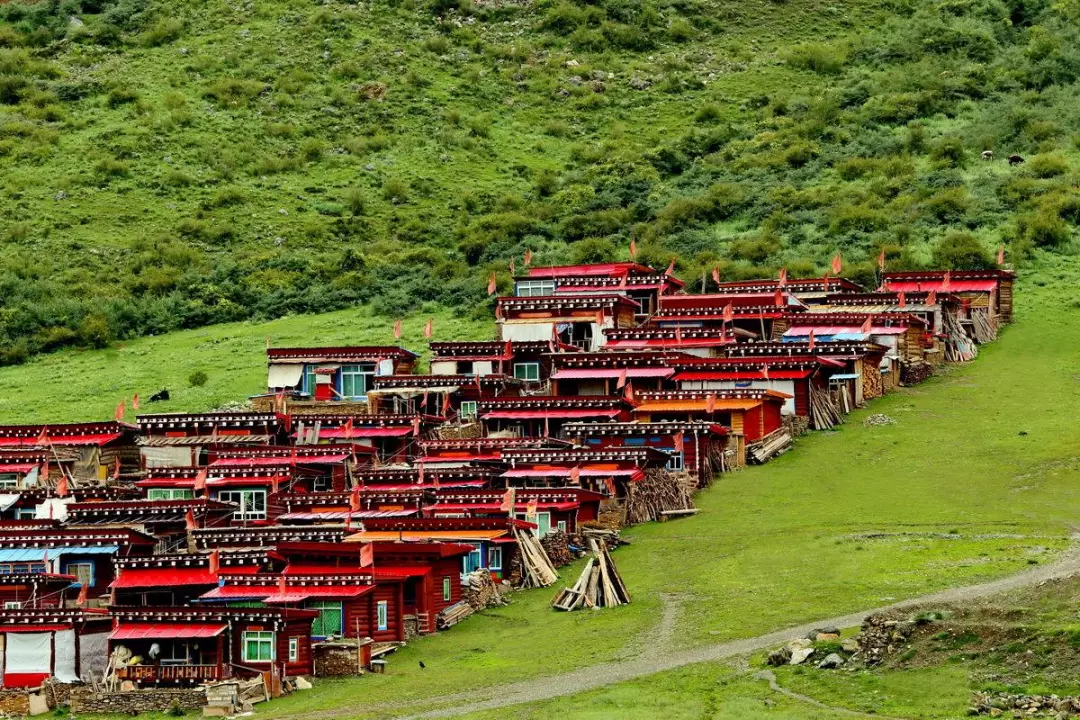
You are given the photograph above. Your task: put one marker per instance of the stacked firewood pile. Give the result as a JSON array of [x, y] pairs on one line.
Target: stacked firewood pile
[[453, 615], [557, 546], [915, 373], [453, 431], [824, 411], [600, 584], [659, 491], [873, 386], [983, 328], [768, 447], [842, 399], [958, 346], [536, 567], [480, 590]]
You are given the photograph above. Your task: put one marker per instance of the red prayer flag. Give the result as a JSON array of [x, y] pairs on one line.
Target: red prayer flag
[[765, 371], [528, 257], [633, 249], [420, 473], [716, 275], [609, 483], [710, 403], [416, 426], [43, 437], [902, 300], [678, 334], [881, 260], [783, 277], [367, 555], [1001, 255], [347, 428], [575, 475], [729, 313], [189, 519], [628, 392], [397, 330], [282, 586], [622, 380], [624, 280], [121, 410], [446, 405], [200, 479], [670, 268], [84, 590], [508, 351], [811, 346], [214, 562], [931, 298], [866, 326], [946, 281], [512, 271], [599, 317], [531, 508], [779, 298], [429, 328], [354, 499], [680, 442], [116, 469], [135, 401], [493, 284], [62, 485], [498, 311], [507, 505], [837, 264]]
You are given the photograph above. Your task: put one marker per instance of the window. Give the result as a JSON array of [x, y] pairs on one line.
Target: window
[[468, 409], [83, 572], [471, 561], [562, 526], [355, 379], [309, 379], [494, 558], [22, 568], [529, 372], [252, 503], [169, 494], [258, 646], [9, 481], [381, 615], [12, 605], [446, 589], [25, 513], [535, 288], [294, 649], [675, 462], [329, 621], [323, 483], [542, 520]]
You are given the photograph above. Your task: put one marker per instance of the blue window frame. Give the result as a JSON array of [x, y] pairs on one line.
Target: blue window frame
[[634, 441], [83, 569]]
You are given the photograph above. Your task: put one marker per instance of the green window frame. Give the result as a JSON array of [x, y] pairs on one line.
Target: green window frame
[[330, 620], [447, 589], [355, 379], [309, 380], [258, 645], [527, 371], [467, 409], [169, 494], [382, 619]]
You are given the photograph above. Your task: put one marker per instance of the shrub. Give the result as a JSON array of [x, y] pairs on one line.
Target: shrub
[[557, 128], [949, 152], [707, 114], [480, 125], [198, 378], [354, 200], [94, 331], [109, 166], [1048, 165], [949, 205], [395, 190], [961, 251], [1044, 229], [121, 95], [234, 91], [437, 44], [312, 149], [164, 31], [818, 57]]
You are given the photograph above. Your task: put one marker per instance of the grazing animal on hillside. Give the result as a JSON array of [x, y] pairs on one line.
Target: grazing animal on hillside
[[422, 665], [1015, 159], [987, 154], [160, 396]]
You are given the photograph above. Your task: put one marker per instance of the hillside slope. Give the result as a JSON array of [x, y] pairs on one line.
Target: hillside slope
[[171, 165]]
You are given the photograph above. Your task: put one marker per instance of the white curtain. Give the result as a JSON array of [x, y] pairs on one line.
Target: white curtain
[[165, 457], [285, 375], [64, 670], [28, 653]]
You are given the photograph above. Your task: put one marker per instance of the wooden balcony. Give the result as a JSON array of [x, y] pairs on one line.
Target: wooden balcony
[[169, 673]]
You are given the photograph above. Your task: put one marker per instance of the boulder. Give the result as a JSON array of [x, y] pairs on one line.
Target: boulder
[[826, 637], [302, 684], [831, 662], [849, 645], [799, 655], [780, 656]]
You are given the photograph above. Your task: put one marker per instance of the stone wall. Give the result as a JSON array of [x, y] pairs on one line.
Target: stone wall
[[136, 702], [14, 702]]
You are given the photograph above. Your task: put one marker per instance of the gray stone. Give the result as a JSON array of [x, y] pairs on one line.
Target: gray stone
[[831, 662], [780, 656], [849, 645], [799, 655], [302, 684]]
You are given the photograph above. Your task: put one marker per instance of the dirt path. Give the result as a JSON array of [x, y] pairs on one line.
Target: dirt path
[[597, 676], [770, 677]]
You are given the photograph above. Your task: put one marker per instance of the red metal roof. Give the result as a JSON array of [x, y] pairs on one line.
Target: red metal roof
[[631, 372], [398, 572], [32, 628], [365, 432], [670, 343], [99, 440], [340, 515], [741, 375], [822, 330], [553, 413], [278, 460], [166, 631], [602, 269], [18, 467], [632, 473], [954, 285], [163, 577], [237, 592], [494, 507], [301, 593]]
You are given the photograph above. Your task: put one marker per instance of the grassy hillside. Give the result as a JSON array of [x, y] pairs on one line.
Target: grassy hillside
[[81, 385], [973, 481], [170, 165]]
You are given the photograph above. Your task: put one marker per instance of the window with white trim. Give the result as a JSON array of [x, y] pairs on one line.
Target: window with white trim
[[495, 556], [675, 462], [356, 379], [83, 572], [9, 481], [294, 649], [382, 615], [258, 646], [535, 288], [528, 371], [468, 409], [447, 589], [252, 503], [12, 605], [471, 561], [169, 494]]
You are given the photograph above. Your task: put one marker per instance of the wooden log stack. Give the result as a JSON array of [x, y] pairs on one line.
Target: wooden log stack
[[773, 444], [599, 586], [453, 615], [660, 490], [983, 327], [824, 411], [536, 567], [959, 347]]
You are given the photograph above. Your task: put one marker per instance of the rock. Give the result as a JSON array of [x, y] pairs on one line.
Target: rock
[[831, 662], [639, 83], [849, 645], [780, 656], [75, 22], [878, 419], [826, 637], [302, 683], [799, 655], [829, 630], [572, 63]]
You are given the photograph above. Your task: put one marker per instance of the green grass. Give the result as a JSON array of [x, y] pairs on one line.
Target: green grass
[[83, 385], [974, 480]]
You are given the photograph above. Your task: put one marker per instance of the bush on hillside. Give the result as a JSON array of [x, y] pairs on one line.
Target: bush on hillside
[[961, 251]]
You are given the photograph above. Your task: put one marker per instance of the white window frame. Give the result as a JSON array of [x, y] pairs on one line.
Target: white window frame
[[382, 615], [169, 494], [322, 483], [244, 498], [534, 288], [540, 531], [260, 637], [12, 605], [294, 649], [676, 462], [527, 376], [468, 409], [74, 569], [10, 481], [447, 588], [355, 371], [494, 557], [562, 526]]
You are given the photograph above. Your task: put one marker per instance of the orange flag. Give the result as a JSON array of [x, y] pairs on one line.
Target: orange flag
[[62, 485], [628, 392], [783, 277], [811, 346], [779, 298], [633, 249], [512, 271], [397, 330], [121, 410], [528, 257], [609, 483], [716, 275], [1001, 255], [680, 442], [416, 426], [866, 326], [116, 469], [729, 313], [931, 297], [200, 479], [946, 281], [575, 475], [902, 300], [214, 562], [765, 372], [354, 499], [189, 519], [507, 505], [282, 585], [710, 403], [493, 285], [670, 268], [531, 509], [43, 437], [367, 555], [881, 260], [429, 328], [135, 401], [837, 264], [622, 379], [84, 590], [347, 428]]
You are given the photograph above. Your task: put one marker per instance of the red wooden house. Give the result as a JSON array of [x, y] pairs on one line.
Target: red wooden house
[[577, 320], [557, 508], [703, 451], [808, 290], [23, 468], [326, 467], [601, 373], [605, 470], [187, 439], [543, 416], [988, 291], [336, 507], [203, 644], [39, 643], [165, 520], [792, 376], [903, 334], [36, 590], [526, 361], [390, 479], [330, 374], [752, 315], [393, 437], [39, 503], [640, 283], [94, 449], [482, 452], [265, 537], [429, 573], [453, 397], [692, 340]]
